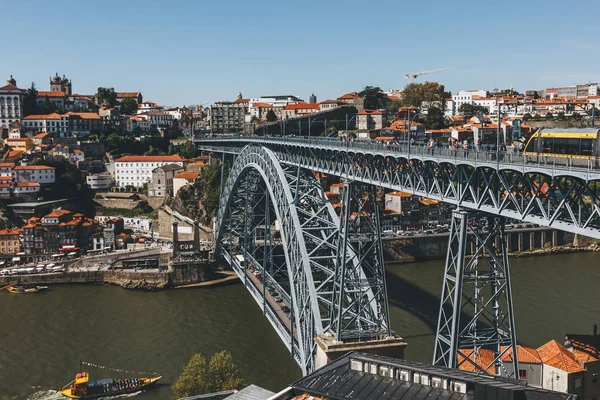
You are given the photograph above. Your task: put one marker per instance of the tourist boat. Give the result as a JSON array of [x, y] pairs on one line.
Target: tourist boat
[[25, 290], [82, 388]]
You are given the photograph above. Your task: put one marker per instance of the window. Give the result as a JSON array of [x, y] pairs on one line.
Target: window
[[595, 377], [522, 374]]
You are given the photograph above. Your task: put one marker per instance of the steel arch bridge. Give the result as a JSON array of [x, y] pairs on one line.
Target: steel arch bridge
[[301, 265], [561, 193]]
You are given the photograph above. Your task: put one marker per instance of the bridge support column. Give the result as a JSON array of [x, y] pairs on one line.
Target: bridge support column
[[543, 239], [531, 240], [520, 241], [508, 243], [477, 286], [554, 238]]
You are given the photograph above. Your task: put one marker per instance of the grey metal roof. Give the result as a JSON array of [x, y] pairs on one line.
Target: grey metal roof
[[338, 381], [251, 392]]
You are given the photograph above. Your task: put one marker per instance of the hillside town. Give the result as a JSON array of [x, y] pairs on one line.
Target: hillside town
[[117, 147]]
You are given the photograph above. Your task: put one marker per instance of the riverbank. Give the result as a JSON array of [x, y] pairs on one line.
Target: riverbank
[[145, 280]]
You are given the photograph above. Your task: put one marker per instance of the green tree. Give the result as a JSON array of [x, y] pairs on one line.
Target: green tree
[[271, 117], [48, 106], [435, 118], [128, 106], [374, 98], [197, 378], [223, 373], [107, 96], [414, 94], [154, 151], [30, 101]]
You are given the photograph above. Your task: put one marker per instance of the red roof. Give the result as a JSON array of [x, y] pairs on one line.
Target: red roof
[[51, 94], [188, 175], [41, 135], [7, 165], [42, 116], [11, 87], [28, 184], [16, 139], [556, 355], [32, 167], [525, 354], [349, 96], [369, 112], [174, 157], [484, 357], [82, 115], [237, 101], [303, 106]]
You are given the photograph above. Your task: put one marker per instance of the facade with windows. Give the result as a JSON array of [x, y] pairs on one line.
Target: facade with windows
[[137, 170], [11, 103], [34, 173], [162, 180], [227, 117], [10, 242]]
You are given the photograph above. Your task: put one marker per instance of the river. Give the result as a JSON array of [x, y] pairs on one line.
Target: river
[[43, 336]]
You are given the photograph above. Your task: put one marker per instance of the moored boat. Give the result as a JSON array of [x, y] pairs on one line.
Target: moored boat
[[22, 289], [82, 388]]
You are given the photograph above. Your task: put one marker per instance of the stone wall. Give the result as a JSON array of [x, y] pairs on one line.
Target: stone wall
[[183, 274]]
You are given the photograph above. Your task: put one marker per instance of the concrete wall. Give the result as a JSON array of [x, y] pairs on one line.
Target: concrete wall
[[555, 379], [534, 372], [182, 274]]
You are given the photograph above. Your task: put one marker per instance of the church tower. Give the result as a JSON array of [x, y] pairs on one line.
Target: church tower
[[58, 84]]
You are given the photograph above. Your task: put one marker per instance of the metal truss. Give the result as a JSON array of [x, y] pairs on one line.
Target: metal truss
[[563, 198], [359, 293], [301, 266], [476, 310]]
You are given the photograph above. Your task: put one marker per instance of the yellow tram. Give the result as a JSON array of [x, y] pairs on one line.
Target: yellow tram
[[569, 143]]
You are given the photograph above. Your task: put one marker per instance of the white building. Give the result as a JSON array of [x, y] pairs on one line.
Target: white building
[[159, 119], [487, 102], [183, 179], [466, 97], [11, 103], [137, 170], [51, 123], [148, 106], [34, 173], [6, 169], [99, 181], [26, 187], [393, 201], [330, 105]]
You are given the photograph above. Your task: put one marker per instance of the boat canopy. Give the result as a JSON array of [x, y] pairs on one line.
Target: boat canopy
[[57, 255], [16, 259], [40, 265], [73, 253], [49, 266], [100, 383]]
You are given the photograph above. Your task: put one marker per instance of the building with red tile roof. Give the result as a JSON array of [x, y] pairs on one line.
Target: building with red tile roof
[[183, 179], [137, 170], [10, 92]]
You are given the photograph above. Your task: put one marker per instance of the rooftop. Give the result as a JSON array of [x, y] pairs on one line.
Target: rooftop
[[187, 175], [557, 356], [173, 158]]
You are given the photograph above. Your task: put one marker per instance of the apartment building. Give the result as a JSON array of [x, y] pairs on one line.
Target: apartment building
[[137, 170], [227, 117]]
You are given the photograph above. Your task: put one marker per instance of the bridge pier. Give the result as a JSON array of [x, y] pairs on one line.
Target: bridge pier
[[482, 284], [520, 243], [554, 238], [329, 349], [531, 240]]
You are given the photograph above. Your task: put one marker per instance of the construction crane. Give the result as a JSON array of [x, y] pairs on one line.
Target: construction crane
[[415, 75]]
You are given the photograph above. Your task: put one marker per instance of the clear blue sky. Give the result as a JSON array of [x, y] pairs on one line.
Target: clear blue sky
[[193, 52]]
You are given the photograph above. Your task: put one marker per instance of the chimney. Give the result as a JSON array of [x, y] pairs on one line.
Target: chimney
[[595, 329], [175, 238]]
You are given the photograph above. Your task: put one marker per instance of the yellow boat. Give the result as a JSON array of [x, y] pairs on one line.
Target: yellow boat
[[23, 289], [82, 388]]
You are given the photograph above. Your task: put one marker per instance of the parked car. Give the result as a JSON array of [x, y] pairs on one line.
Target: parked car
[[277, 299], [285, 309]]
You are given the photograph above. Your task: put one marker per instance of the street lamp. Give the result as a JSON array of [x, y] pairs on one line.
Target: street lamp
[[311, 122], [348, 122]]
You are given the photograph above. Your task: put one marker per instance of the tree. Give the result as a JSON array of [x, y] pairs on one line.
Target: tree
[[374, 99], [414, 94], [107, 97], [549, 116], [469, 110], [526, 116], [223, 373], [197, 378], [30, 101], [271, 117], [128, 106], [48, 107], [435, 118]]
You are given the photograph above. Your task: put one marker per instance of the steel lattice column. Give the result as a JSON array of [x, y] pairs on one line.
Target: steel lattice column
[[360, 304], [476, 310]]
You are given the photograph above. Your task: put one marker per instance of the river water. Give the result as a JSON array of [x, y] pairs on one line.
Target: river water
[[43, 336]]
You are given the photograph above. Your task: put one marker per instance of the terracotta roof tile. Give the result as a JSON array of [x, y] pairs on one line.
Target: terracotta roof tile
[[42, 116], [28, 184], [51, 94], [525, 354], [187, 175], [556, 355], [173, 158], [11, 87], [484, 357], [127, 94], [32, 167], [369, 112], [302, 106]]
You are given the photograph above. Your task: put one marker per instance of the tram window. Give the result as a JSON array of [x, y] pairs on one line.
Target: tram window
[[586, 147], [532, 145], [572, 146], [547, 145]]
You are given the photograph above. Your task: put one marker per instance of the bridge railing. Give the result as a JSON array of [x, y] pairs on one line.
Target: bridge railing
[[440, 154]]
